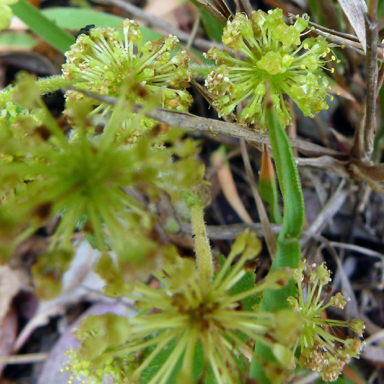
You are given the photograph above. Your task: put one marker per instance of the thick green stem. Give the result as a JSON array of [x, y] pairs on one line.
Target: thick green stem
[[288, 247], [202, 247]]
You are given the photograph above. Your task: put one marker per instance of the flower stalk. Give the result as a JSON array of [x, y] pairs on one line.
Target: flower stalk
[[203, 250], [288, 247]]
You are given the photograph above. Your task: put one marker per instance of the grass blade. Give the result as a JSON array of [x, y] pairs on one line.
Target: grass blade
[[42, 26]]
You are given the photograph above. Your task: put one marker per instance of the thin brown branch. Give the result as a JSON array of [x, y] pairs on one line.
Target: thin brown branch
[[331, 31], [232, 231], [29, 358], [371, 68], [191, 122], [244, 6], [192, 36], [326, 214], [357, 148]]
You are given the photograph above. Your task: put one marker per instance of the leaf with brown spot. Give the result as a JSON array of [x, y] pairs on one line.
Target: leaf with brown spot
[[228, 187]]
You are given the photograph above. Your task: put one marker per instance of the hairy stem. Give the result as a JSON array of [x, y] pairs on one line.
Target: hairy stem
[[202, 247], [288, 247], [45, 86]]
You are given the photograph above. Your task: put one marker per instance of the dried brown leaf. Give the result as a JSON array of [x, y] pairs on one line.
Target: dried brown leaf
[[374, 354], [352, 375], [10, 285], [329, 163], [374, 172], [355, 11], [370, 174], [51, 370], [344, 143], [268, 234], [8, 332], [156, 7], [244, 6], [340, 91], [217, 8], [228, 187]]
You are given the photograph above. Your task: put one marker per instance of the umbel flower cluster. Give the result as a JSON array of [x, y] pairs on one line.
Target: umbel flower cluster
[[270, 58], [322, 349], [198, 332], [206, 335], [103, 60], [97, 184]]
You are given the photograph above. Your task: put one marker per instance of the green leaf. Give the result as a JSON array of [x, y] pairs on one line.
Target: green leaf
[[316, 14], [288, 246], [378, 143], [9, 39], [41, 25], [76, 18], [380, 7], [211, 25], [158, 362], [245, 283]]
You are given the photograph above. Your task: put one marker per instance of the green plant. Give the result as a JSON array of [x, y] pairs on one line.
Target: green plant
[[203, 323], [274, 64]]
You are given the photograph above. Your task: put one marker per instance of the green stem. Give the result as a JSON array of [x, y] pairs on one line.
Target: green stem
[[45, 86], [202, 247], [378, 143], [52, 84], [202, 71], [288, 246]]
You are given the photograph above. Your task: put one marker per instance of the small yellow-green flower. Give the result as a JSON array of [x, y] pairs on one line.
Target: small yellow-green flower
[[270, 58], [322, 348], [103, 60]]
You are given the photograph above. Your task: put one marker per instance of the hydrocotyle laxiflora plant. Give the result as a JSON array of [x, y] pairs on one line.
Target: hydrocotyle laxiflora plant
[[272, 62]]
